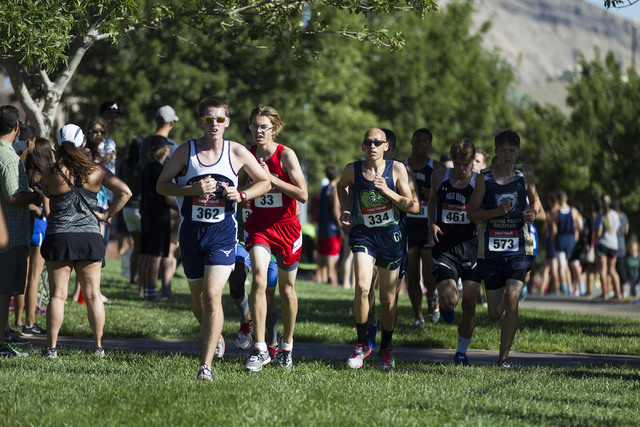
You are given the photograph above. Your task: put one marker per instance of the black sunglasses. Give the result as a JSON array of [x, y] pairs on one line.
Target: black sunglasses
[[375, 142]]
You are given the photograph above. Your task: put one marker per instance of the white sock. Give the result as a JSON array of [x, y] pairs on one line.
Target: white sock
[[287, 346], [262, 346], [463, 344]]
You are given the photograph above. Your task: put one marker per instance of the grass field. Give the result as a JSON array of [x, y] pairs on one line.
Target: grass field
[[326, 316], [140, 389]]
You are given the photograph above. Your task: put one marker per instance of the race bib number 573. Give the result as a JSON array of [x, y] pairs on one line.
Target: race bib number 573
[[504, 241], [206, 209]]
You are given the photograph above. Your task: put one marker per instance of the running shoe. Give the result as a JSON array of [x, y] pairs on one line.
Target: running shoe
[[257, 360], [418, 324], [372, 330], [504, 363], [13, 338], [98, 351], [434, 310], [204, 373], [33, 331], [447, 316], [273, 352], [461, 359], [220, 348], [523, 293], [387, 361], [8, 349], [284, 357], [243, 339], [359, 353], [51, 353]]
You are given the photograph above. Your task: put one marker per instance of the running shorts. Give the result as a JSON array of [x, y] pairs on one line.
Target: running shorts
[[284, 238], [460, 261]]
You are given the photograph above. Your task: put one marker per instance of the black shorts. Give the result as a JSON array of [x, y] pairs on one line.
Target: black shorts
[[73, 247], [155, 244], [496, 271], [459, 261], [14, 273], [418, 236], [604, 251], [387, 247]]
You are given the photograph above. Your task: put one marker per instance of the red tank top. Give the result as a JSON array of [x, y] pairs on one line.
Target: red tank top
[[274, 206]]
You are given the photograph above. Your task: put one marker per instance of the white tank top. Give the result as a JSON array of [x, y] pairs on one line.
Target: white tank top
[[205, 210]]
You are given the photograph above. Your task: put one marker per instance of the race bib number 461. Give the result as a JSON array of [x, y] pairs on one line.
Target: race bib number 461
[[378, 216], [206, 209], [504, 241], [454, 214]]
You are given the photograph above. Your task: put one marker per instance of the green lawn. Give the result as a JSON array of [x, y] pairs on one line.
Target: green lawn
[[326, 315], [138, 389]]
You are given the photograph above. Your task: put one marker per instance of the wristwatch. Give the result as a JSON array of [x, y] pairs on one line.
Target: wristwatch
[[243, 196]]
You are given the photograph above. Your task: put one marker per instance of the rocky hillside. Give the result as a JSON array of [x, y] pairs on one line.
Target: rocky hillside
[[544, 38]]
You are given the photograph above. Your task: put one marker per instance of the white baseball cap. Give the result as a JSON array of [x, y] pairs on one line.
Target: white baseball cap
[[166, 114], [71, 133]]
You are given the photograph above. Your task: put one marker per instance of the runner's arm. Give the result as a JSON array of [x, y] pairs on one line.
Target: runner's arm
[[476, 213], [436, 180], [298, 188], [403, 199], [530, 214], [250, 169], [177, 163], [335, 203], [346, 181]]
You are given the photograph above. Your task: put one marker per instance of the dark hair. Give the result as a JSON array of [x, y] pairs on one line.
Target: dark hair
[[508, 136], [213, 101], [77, 162], [463, 149], [40, 159], [391, 137], [9, 115], [332, 172], [133, 157], [579, 207], [27, 132], [247, 130], [615, 204], [445, 157], [423, 130]]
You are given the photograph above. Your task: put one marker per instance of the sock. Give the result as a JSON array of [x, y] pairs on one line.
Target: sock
[[262, 346], [361, 329], [150, 293], [287, 346], [463, 344], [385, 344], [243, 304], [272, 326]]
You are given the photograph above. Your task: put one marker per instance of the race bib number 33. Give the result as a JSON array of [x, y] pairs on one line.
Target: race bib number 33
[[504, 241], [378, 216], [454, 214], [205, 209], [269, 200]]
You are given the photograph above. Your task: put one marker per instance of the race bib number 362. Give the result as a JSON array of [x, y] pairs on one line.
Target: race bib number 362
[[504, 241], [205, 209]]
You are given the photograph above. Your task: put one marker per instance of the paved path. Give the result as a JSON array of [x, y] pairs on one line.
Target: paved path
[[583, 305]]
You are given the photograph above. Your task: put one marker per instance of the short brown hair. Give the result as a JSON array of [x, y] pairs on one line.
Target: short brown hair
[[463, 150], [213, 101], [271, 114]]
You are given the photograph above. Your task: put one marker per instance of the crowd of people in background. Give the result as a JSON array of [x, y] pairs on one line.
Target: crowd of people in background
[[382, 224]]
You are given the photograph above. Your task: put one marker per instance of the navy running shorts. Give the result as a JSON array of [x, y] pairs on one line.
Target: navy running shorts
[[387, 247], [496, 271], [209, 244], [418, 236]]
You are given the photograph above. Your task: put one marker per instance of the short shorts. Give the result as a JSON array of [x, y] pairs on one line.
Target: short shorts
[[211, 244], [284, 238], [418, 236], [329, 247], [564, 247], [549, 248], [242, 256], [604, 251], [132, 218], [460, 261], [12, 280], [496, 271], [37, 239], [389, 248], [73, 247], [155, 244]]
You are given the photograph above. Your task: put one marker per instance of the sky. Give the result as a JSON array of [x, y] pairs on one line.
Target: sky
[[630, 13]]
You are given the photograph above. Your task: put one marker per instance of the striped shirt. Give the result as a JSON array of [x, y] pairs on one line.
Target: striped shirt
[[14, 180]]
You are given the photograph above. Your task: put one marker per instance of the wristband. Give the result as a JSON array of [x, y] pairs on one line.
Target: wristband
[[243, 196]]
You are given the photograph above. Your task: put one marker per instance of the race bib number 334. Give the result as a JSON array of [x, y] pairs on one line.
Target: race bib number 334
[[378, 216], [504, 241], [205, 209]]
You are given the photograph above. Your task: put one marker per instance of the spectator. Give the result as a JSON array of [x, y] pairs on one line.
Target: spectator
[[607, 226], [132, 174], [73, 240], [110, 112], [4, 234], [15, 197], [622, 247], [165, 120], [632, 267], [329, 234]]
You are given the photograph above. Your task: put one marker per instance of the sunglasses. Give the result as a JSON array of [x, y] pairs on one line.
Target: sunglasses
[[375, 142], [210, 119], [97, 132]]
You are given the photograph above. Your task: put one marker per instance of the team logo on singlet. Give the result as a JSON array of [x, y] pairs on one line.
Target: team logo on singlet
[[511, 196], [377, 210]]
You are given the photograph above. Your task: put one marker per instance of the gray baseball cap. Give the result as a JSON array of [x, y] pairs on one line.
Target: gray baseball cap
[[166, 114]]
